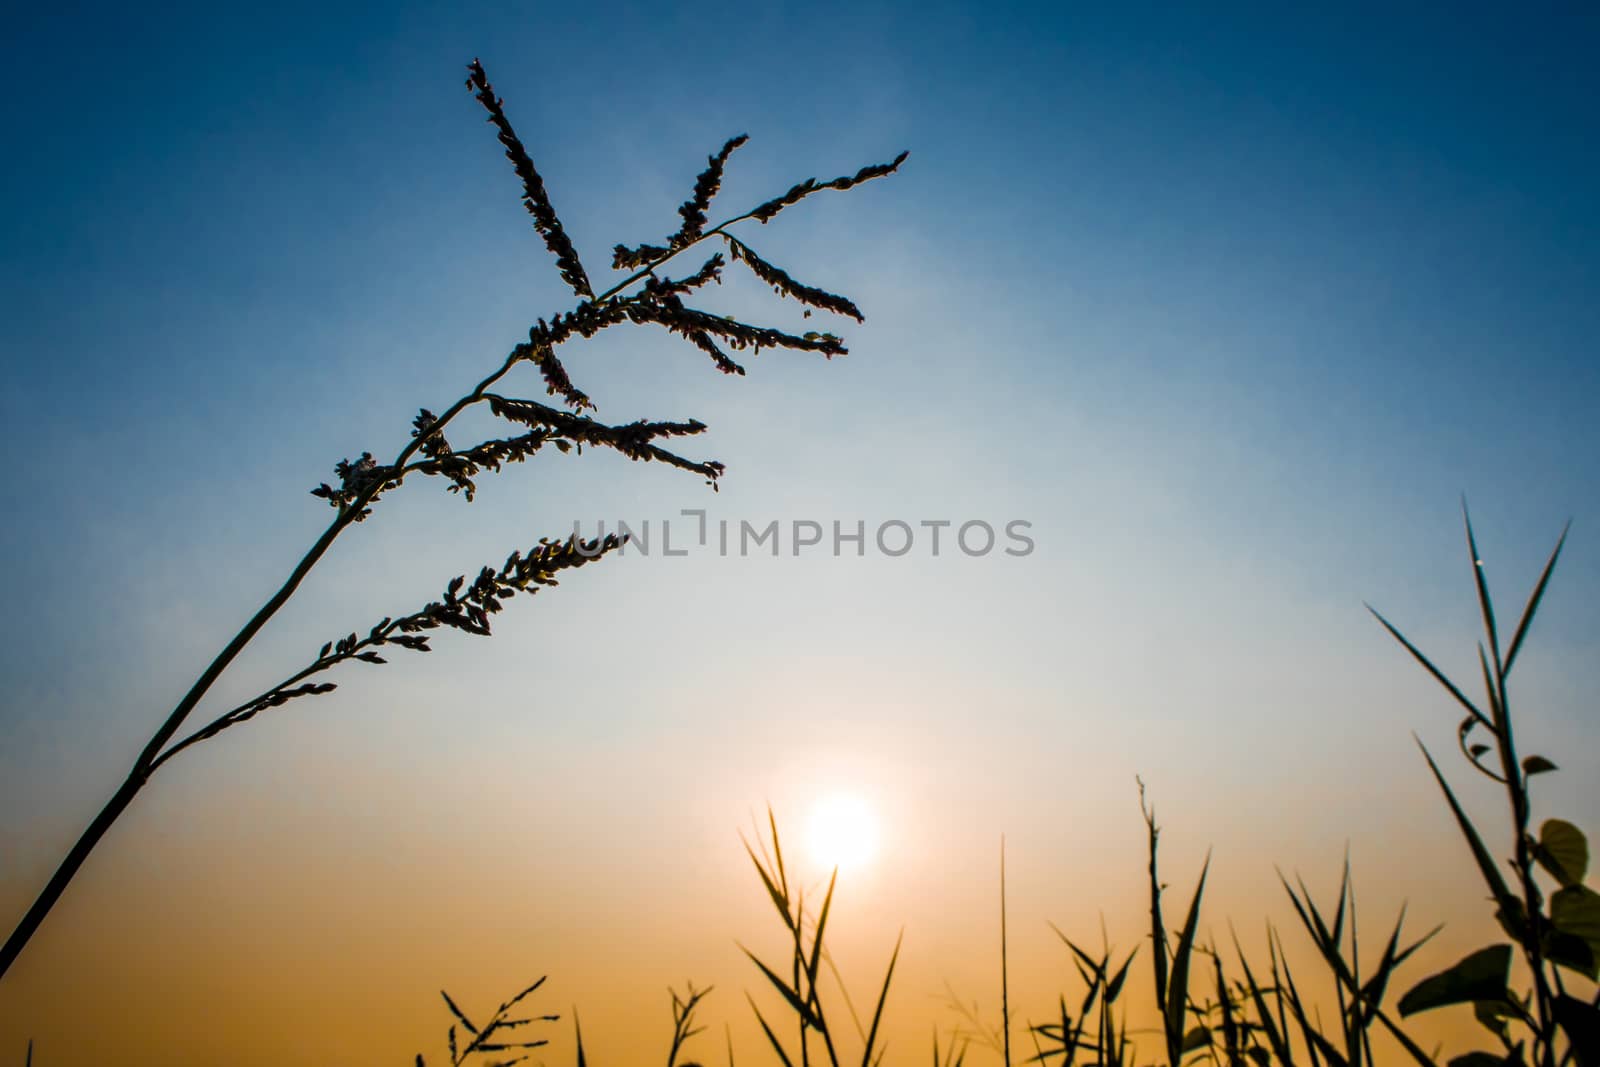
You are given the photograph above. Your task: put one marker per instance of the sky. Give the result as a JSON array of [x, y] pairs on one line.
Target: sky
[[1230, 306]]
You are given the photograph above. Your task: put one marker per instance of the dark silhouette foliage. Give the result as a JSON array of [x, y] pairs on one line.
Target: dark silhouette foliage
[[649, 295]]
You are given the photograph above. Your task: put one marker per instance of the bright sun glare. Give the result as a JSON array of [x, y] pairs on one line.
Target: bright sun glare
[[843, 832]]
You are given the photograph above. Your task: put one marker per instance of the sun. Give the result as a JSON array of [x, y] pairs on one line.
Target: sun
[[842, 832]]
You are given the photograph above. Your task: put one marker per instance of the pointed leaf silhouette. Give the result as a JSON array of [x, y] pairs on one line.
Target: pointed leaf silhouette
[[1563, 851], [1480, 976]]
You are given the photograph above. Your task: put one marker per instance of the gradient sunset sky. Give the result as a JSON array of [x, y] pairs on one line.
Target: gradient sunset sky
[[1231, 306]]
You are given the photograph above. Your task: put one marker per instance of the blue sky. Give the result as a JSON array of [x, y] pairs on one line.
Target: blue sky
[[1232, 307]]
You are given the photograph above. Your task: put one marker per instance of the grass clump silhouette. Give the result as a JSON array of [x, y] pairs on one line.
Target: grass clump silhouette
[[1256, 1015], [648, 295], [1268, 1019], [799, 992]]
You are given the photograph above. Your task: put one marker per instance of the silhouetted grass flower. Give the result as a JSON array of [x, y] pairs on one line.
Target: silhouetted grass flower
[[649, 294]]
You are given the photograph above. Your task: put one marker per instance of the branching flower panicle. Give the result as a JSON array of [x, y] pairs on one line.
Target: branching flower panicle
[[648, 295]]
